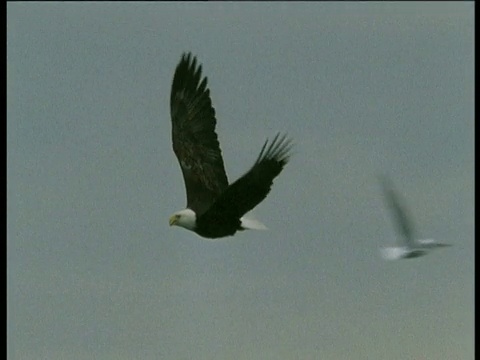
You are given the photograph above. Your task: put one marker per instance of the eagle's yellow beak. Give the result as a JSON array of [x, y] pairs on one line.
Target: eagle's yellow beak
[[173, 220]]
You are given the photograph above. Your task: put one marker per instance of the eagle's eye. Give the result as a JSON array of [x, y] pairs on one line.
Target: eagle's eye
[[174, 219]]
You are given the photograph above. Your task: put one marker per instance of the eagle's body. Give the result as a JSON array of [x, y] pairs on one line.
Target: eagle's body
[[409, 246], [215, 208]]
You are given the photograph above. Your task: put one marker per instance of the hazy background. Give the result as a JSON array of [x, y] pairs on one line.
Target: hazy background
[[94, 270]]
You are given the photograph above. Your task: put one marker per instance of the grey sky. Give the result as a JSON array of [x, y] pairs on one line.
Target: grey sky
[[94, 270]]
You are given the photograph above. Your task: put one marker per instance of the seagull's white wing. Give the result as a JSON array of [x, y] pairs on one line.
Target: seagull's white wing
[[402, 222]]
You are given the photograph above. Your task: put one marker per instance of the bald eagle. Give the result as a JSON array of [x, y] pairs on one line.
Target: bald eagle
[[215, 208]]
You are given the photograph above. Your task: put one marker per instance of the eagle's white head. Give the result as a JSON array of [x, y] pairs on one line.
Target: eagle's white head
[[185, 218]]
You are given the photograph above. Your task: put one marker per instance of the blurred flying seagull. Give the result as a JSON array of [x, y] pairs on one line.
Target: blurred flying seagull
[[409, 246]]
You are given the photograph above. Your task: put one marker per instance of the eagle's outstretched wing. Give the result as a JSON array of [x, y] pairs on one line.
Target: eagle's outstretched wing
[[195, 142], [402, 222], [253, 187]]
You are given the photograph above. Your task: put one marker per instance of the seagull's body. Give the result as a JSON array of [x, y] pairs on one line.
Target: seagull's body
[[409, 247], [420, 248]]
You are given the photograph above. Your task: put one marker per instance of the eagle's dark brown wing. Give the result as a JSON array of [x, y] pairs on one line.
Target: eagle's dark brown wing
[[195, 142], [253, 187]]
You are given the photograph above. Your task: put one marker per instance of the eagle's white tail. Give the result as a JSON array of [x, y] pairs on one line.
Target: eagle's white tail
[[252, 224]]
